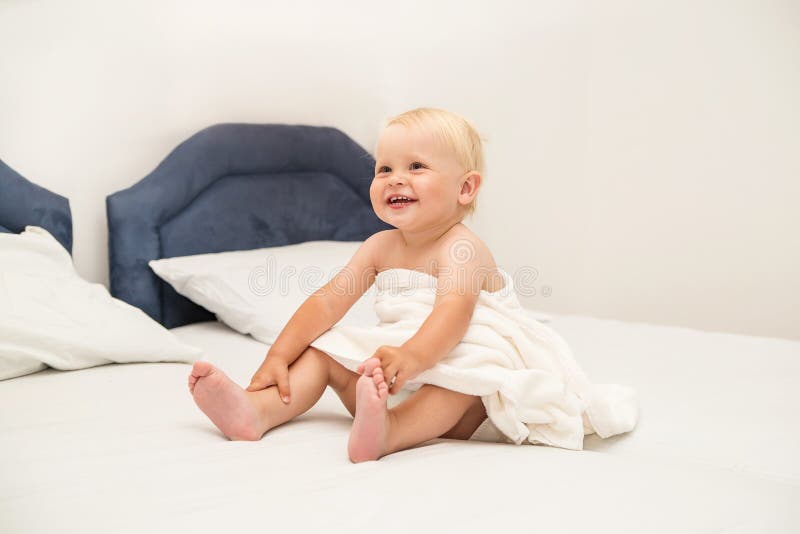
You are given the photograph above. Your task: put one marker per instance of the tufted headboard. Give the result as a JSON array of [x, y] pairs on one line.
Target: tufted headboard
[[235, 187], [24, 203]]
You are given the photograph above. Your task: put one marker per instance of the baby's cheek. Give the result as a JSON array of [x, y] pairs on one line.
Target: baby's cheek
[[440, 198], [374, 195]]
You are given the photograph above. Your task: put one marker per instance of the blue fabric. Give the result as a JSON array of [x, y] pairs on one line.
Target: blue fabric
[[24, 203], [236, 187]]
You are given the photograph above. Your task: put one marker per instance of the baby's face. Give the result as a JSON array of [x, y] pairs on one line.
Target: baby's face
[[411, 163]]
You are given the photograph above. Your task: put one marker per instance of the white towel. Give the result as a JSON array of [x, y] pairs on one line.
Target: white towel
[[524, 372]]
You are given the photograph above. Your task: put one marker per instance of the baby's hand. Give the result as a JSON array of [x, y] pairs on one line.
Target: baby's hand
[[273, 371], [398, 363]]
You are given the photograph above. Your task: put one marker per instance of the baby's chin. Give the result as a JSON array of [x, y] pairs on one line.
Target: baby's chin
[[401, 223], [392, 221], [396, 217], [410, 221]]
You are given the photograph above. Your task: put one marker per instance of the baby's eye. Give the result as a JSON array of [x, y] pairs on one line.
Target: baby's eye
[[384, 169], [417, 165]]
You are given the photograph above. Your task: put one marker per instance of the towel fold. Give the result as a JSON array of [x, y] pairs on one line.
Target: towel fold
[[533, 389]]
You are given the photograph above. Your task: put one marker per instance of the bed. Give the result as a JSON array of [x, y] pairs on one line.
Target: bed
[[123, 448]]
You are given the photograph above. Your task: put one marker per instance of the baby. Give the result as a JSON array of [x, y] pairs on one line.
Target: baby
[[428, 171]]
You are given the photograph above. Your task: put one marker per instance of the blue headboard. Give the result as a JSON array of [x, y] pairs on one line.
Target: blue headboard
[[235, 187], [24, 203]]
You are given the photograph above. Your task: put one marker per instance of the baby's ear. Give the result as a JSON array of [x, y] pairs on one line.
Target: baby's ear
[[469, 187]]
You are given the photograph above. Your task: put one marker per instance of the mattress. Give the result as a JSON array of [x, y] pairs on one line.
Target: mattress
[[123, 448]]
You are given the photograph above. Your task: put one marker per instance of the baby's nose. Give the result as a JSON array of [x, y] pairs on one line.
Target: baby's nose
[[397, 179]]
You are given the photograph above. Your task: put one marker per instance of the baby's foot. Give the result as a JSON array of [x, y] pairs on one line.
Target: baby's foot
[[371, 423], [225, 403]]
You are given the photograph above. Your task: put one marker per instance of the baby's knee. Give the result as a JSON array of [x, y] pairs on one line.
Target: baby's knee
[[340, 378], [319, 358]]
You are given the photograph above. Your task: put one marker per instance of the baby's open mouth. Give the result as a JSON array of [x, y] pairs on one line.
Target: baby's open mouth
[[399, 201]]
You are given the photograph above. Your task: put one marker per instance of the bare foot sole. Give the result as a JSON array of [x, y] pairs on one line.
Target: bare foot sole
[[370, 425], [225, 403]]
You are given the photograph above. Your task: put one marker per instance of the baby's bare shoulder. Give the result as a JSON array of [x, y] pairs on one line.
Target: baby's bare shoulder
[[383, 242], [461, 244], [383, 234]]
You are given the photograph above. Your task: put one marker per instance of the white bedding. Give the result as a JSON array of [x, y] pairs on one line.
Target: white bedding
[[122, 448], [51, 317]]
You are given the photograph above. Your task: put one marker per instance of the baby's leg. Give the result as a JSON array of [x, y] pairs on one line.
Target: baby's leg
[[427, 414], [431, 412], [245, 415], [343, 382]]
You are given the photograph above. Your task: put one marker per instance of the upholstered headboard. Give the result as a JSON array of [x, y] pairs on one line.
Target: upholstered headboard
[[24, 203], [235, 187]]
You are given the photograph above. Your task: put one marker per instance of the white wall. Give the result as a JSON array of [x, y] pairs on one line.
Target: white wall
[[643, 156]]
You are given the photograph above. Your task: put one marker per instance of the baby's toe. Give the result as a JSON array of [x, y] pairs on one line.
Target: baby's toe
[[192, 381], [370, 366], [383, 391], [378, 377], [201, 368]]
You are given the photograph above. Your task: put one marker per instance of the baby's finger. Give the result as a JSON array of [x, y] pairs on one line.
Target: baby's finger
[[283, 386], [260, 380], [389, 372], [398, 383], [256, 384]]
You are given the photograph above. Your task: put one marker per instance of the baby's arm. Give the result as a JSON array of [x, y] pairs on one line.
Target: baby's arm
[[319, 312], [458, 288]]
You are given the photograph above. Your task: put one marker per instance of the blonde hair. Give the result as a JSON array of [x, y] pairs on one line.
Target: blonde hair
[[454, 131]]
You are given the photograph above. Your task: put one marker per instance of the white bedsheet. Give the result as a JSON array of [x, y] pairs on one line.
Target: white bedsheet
[[122, 448]]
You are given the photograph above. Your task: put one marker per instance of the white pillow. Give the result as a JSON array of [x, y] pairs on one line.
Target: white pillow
[[257, 291], [50, 316]]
